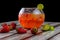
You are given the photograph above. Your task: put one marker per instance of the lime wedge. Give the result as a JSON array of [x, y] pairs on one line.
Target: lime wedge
[[52, 28], [46, 27], [40, 6]]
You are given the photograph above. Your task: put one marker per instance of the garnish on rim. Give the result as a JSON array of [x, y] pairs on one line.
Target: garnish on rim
[[40, 6]]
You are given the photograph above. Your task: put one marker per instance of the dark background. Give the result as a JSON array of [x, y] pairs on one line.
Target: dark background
[[9, 9]]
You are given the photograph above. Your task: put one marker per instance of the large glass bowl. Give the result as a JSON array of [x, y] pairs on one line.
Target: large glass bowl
[[31, 17]]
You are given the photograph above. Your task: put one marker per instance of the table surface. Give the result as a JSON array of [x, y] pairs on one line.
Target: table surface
[[12, 35]]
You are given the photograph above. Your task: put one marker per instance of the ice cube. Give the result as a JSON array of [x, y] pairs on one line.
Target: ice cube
[[36, 11]]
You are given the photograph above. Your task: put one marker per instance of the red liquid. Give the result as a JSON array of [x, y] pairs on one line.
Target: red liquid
[[29, 20]]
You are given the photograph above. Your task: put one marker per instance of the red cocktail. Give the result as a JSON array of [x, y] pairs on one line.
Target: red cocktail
[[31, 17]]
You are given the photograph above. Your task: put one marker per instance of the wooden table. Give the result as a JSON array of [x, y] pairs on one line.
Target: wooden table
[[49, 35]]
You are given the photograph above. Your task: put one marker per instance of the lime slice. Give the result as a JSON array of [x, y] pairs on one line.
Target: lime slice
[[40, 6]]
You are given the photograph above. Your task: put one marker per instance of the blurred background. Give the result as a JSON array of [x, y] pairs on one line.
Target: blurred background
[[9, 9]]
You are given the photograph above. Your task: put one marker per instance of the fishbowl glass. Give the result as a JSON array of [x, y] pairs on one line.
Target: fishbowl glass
[[31, 17]]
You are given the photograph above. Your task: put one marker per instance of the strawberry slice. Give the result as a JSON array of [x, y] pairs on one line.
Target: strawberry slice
[[4, 24], [5, 29], [21, 30]]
